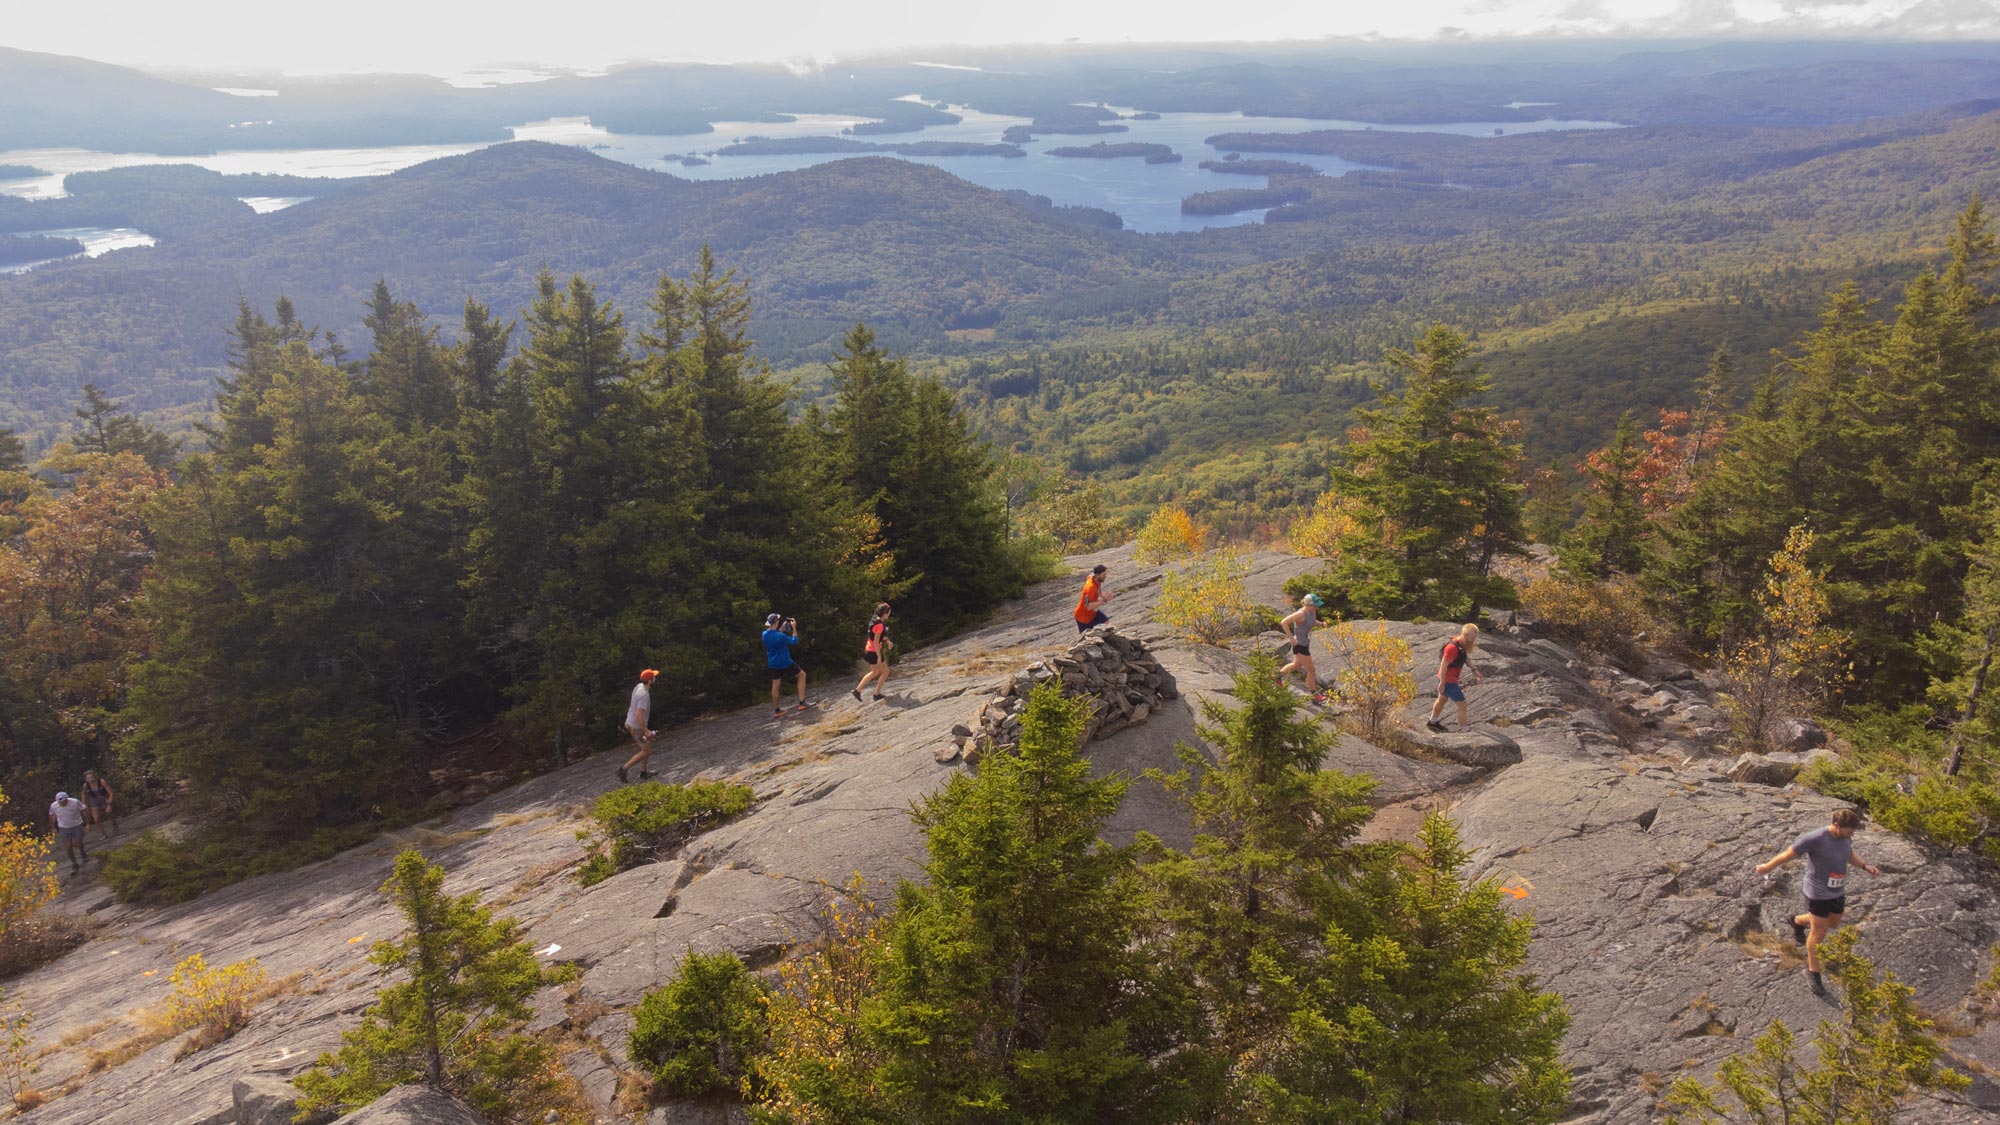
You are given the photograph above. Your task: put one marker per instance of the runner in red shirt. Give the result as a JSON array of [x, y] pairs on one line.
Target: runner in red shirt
[[1456, 657]]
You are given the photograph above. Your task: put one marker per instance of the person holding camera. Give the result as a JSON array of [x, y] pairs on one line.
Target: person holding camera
[[781, 636]]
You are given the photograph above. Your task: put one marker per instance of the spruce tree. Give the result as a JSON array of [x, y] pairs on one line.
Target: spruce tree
[[13, 452], [1612, 534], [888, 429], [1434, 475], [282, 618], [1011, 988], [1270, 828], [107, 428], [453, 1021], [1414, 1008]]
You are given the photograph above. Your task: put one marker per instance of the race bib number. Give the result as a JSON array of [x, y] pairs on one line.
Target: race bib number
[[1836, 880]]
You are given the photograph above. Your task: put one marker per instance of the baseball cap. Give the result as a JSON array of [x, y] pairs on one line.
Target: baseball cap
[[649, 673], [771, 622], [62, 796], [1314, 599]]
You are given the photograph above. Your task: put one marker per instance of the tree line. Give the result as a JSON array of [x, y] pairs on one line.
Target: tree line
[[378, 551]]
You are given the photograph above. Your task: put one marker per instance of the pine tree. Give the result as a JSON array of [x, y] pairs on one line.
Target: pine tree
[[1612, 534], [453, 1022], [13, 453], [1270, 828], [949, 538], [283, 625], [1414, 1008], [1010, 989], [108, 428], [1435, 478]]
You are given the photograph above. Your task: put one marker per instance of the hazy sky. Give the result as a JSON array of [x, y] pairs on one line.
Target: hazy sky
[[440, 36]]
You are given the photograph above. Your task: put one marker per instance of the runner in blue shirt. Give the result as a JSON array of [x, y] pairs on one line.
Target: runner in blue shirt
[[781, 636]]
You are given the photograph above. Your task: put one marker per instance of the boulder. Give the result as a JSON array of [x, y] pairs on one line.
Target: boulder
[[1481, 746], [414, 1105], [1799, 735], [1766, 769], [262, 1099]]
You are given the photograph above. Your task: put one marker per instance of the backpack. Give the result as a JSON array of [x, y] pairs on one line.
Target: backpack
[[1457, 662]]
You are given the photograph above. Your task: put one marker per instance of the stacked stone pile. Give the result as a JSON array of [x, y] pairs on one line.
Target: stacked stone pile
[[1115, 673]]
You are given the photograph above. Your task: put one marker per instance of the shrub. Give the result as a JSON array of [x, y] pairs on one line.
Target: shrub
[[159, 870], [701, 1033], [1600, 615], [1334, 520], [27, 883], [18, 1063], [1869, 1063], [1209, 601], [214, 1003], [27, 875], [1375, 681], [1951, 812], [1170, 534], [815, 1066], [644, 823]]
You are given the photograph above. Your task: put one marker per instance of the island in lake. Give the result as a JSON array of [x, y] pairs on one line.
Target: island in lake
[[19, 172], [1107, 150], [20, 248], [1235, 166], [815, 146]]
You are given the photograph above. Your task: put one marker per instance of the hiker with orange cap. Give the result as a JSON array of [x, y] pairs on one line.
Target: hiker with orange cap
[[636, 716]]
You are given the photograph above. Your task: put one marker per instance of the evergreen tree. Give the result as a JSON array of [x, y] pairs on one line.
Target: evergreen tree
[[107, 429], [1612, 534], [580, 485], [1434, 476], [1271, 829], [453, 1021], [1414, 1009], [283, 625], [13, 453], [406, 376], [888, 429], [1337, 981], [481, 353], [776, 535], [1011, 989]]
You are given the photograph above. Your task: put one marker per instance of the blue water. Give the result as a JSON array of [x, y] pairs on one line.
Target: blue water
[[1146, 196]]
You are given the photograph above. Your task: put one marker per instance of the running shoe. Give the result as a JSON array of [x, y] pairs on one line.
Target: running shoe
[[856, 693], [621, 774], [644, 774], [1798, 932], [1433, 724], [1818, 988]]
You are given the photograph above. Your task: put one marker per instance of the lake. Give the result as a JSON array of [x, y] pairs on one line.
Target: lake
[[96, 240], [1146, 196]]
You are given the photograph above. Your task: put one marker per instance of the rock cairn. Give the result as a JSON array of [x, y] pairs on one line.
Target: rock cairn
[[1115, 673]]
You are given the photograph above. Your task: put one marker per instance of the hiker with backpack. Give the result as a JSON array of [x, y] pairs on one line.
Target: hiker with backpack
[[875, 646], [1452, 661]]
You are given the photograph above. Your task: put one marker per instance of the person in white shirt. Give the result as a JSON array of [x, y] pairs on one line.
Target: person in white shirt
[[637, 714], [66, 815]]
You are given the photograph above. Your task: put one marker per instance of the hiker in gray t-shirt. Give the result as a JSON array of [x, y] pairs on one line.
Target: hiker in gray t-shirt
[[1828, 852]]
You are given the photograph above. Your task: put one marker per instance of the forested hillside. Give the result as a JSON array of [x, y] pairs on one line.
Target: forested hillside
[[1596, 267]]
